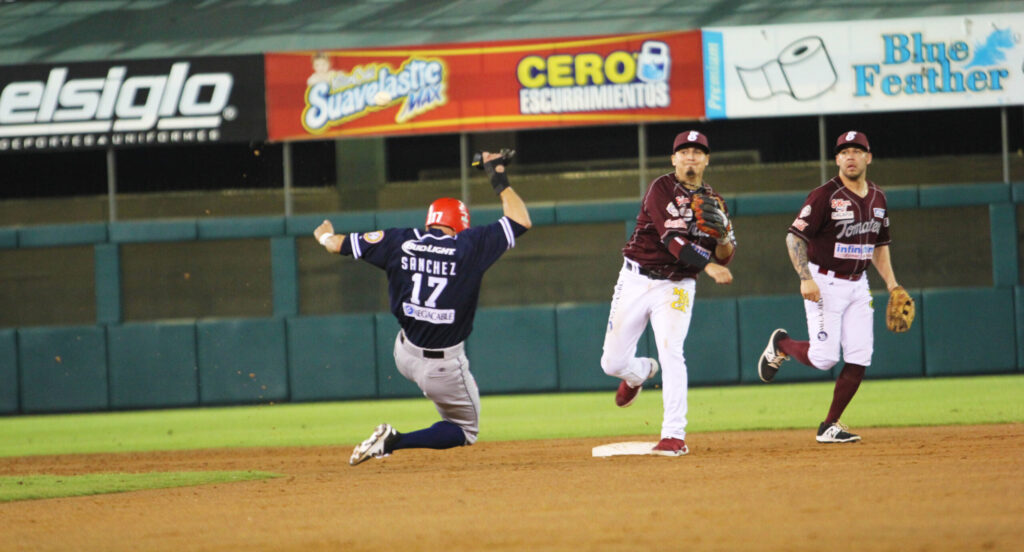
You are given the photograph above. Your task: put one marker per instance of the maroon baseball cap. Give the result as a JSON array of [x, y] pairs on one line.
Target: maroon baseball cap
[[852, 138], [691, 138]]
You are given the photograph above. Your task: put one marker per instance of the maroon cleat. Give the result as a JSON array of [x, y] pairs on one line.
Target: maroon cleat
[[670, 446], [626, 394]]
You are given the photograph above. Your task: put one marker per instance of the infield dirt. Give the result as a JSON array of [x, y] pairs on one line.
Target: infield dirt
[[932, 488]]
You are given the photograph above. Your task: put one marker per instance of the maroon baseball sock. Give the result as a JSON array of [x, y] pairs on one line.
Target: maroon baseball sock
[[846, 387], [796, 349]]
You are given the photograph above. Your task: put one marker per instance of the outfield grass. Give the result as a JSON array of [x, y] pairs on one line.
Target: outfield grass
[[32, 487], [910, 402]]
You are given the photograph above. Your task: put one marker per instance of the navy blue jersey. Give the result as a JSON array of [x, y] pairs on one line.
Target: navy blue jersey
[[434, 279]]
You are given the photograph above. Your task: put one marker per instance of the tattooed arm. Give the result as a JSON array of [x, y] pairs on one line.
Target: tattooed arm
[[798, 255]]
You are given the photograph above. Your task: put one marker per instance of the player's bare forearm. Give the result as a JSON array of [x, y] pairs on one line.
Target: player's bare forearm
[[324, 234], [883, 264], [724, 251], [514, 208], [719, 273], [798, 255]]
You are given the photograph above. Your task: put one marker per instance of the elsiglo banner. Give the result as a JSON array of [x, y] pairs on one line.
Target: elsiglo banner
[[484, 86], [853, 66], [125, 103]]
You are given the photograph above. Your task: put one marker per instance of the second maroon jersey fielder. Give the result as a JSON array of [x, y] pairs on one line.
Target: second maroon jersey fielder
[[841, 228], [666, 212]]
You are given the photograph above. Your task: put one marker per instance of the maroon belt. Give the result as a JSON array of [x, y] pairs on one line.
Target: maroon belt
[[851, 277]]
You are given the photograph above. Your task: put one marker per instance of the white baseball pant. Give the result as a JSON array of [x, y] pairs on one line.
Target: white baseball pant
[[668, 306], [445, 381], [844, 318]]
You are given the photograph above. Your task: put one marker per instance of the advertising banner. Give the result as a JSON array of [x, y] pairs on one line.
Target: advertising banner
[[125, 103], [853, 66], [484, 86]]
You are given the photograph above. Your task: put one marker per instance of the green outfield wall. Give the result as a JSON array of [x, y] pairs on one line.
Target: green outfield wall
[[281, 321]]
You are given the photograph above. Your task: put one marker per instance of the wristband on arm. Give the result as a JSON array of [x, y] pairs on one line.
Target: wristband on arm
[[499, 180], [685, 251]]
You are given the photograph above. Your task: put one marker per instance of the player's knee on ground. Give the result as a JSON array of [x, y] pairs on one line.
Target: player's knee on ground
[[470, 436]]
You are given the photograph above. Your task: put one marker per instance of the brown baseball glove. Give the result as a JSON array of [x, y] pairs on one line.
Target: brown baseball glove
[[709, 214], [899, 313]]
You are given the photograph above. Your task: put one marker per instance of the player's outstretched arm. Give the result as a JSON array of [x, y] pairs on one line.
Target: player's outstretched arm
[[327, 238], [512, 205]]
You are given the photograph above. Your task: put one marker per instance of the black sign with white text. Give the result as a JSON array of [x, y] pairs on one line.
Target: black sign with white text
[[127, 103]]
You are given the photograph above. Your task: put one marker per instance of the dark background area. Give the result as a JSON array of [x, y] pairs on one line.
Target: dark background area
[[259, 166]]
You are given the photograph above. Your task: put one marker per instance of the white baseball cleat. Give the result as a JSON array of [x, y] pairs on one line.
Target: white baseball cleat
[[835, 433], [377, 445], [772, 358]]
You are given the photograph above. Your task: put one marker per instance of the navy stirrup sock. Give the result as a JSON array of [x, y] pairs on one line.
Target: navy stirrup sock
[[442, 435]]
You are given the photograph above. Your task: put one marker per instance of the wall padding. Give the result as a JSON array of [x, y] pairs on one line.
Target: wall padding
[[331, 357], [63, 369], [242, 361]]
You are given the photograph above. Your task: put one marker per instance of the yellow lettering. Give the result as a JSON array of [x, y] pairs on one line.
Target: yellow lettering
[[682, 302], [620, 67], [560, 70], [588, 69], [563, 70], [531, 72]]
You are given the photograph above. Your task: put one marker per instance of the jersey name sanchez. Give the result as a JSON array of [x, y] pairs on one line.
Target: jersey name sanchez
[[434, 279], [841, 228]]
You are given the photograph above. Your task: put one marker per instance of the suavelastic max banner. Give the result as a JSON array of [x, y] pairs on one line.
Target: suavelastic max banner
[[854, 66], [125, 103], [484, 86]]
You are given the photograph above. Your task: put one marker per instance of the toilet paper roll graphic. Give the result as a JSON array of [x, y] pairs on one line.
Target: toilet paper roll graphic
[[803, 70]]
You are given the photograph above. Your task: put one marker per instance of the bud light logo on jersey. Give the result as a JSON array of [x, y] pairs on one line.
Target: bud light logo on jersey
[[568, 83], [427, 314], [411, 247], [418, 84]]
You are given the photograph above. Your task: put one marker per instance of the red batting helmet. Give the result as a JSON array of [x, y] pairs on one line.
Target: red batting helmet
[[449, 212]]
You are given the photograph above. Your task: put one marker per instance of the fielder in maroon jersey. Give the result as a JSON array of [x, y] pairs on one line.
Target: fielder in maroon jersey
[[657, 283], [841, 230]]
